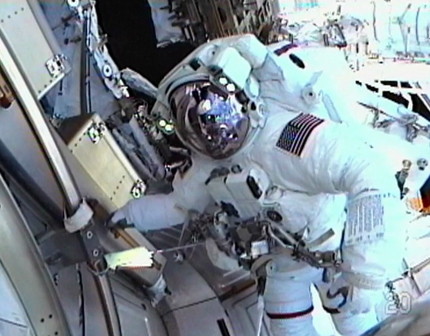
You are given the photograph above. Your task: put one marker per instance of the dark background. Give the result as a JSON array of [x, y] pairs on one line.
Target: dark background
[[131, 39]]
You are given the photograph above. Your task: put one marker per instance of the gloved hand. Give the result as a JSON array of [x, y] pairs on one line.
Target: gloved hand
[[118, 220], [343, 297], [283, 80]]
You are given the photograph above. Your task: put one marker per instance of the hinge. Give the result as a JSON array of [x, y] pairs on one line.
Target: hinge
[[95, 132], [56, 65]]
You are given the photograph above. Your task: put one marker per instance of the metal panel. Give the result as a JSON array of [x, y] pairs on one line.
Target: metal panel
[[193, 308], [204, 318], [39, 123], [40, 126], [39, 299], [16, 134], [44, 25], [90, 189], [132, 318], [220, 281], [31, 50], [82, 306], [103, 172], [186, 285], [96, 150], [81, 301], [69, 292], [138, 317], [244, 313], [13, 320], [93, 307]]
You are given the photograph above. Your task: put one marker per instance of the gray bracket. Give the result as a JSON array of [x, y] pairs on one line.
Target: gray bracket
[[56, 65]]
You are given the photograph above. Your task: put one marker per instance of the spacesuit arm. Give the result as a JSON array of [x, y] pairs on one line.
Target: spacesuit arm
[[159, 211], [294, 80], [151, 212], [373, 236], [334, 160]]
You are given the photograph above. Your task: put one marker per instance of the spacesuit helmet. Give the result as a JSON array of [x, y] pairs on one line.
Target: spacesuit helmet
[[210, 120]]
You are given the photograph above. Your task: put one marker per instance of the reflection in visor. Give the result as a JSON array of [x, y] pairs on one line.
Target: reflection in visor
[[209, 120], [219, 120]]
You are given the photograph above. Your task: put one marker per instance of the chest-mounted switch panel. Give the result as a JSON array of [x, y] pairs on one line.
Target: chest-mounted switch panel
[[240, 193]]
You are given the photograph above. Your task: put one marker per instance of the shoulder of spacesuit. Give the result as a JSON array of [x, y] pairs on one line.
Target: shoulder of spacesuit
[[298, 133], [314, 155], [295, 133]]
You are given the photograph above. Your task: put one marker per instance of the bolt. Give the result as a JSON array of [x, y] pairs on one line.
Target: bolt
[[89, 235], [422, 164], [406, 164]]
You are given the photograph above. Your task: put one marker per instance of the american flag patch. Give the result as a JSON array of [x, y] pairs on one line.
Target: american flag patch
[[297, 132]]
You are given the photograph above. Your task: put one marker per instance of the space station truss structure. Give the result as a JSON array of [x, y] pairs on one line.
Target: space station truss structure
[[203, 20]]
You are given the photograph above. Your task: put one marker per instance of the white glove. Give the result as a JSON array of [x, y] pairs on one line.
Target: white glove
[[282, 80], [118, 220]]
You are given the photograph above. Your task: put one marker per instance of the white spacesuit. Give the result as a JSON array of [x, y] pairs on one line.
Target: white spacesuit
[[400, 134], [381, 122], [259, 158]]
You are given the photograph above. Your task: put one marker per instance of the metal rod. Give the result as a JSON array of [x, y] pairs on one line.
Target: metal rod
[[84, 99], [41, 128], [275, 237], [288, 236], [108, 303], [178, 248]]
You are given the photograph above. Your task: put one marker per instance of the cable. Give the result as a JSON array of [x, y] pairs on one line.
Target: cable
[[84, 66], [81, 300]]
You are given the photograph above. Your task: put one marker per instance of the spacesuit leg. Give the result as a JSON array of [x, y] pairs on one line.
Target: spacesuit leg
[[347, 323], [288, 304]]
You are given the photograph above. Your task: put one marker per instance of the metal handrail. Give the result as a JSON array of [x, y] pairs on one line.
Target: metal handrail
[[37, 119]]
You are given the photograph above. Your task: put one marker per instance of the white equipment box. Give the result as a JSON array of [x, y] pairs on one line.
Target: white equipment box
[[93, 145], [113, 179]]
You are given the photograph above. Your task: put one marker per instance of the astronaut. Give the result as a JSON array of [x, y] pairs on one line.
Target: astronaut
[[258, 157]]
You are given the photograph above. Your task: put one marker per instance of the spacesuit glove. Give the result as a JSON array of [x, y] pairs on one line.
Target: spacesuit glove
[[281, 80], [250, 47], [118, 220], [260, 59], [343, 297]]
